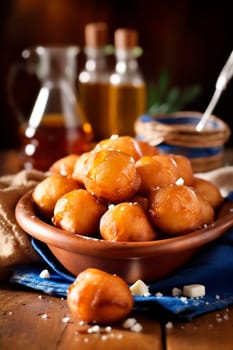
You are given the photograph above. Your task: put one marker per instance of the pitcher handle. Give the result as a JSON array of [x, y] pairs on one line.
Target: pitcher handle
[[13, 74]]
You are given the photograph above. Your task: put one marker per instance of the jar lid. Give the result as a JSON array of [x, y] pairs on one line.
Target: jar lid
[[126, 38], [96, 34]]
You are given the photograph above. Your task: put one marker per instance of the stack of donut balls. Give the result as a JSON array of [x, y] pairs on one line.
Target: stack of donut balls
[[126, 190]]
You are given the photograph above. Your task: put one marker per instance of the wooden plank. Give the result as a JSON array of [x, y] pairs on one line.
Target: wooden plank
[[211, 331], [29, 320]]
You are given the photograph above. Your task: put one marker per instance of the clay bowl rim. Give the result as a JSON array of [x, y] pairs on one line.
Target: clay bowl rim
[[26, 216]]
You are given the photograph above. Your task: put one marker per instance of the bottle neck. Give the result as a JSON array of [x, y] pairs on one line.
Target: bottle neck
[[126, 61], [96, 59], [126, 68]]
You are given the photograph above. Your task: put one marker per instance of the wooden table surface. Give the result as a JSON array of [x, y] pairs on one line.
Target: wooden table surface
[[31, 320]]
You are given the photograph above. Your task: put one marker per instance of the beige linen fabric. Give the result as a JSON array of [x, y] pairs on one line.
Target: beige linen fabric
[[15, 247]]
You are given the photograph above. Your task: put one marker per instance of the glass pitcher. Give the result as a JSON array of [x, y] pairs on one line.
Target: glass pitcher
[[55, 127]]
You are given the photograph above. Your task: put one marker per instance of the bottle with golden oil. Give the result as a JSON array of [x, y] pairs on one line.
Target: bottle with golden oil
[[127, 91], [55, 127], [94, 78]]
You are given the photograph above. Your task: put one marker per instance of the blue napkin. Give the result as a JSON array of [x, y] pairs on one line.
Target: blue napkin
[[212, 267]]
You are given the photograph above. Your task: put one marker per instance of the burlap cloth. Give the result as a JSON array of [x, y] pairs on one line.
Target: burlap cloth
[[15, 246]]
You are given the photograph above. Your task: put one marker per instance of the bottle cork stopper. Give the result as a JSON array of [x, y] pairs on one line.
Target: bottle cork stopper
[[96, 34], [125, 38]]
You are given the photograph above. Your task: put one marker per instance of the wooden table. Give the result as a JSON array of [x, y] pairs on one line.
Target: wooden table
[[31, 320]]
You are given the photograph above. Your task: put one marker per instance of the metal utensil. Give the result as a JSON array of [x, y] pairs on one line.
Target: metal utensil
[[221, 83]]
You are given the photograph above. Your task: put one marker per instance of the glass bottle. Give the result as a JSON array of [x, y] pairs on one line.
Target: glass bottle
[[127, 92], [54, 128], [93, 80]]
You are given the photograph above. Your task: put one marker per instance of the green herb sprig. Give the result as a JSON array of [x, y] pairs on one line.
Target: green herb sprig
[[162, 98]]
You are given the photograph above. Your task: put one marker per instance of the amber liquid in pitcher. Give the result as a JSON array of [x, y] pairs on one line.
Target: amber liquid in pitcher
[[126, 103], [93, 98], [51, 141]]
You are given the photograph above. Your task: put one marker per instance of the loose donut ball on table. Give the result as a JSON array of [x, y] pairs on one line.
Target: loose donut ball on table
[[112, 176], [99, 297], [126, 222], [79, 212], [175, 209], [48, 191]]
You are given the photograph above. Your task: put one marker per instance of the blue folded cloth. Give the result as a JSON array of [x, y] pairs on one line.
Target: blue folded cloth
[[212, 267]]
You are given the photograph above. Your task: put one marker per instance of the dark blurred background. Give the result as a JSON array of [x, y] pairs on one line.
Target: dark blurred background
[[190, 40]]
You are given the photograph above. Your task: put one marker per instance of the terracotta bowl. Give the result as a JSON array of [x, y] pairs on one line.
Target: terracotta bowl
[[148, 261]]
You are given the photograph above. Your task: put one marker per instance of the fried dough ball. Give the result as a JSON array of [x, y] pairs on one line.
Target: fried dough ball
[[166, 161], [175, 209], [208, 190], [156, 171], [207, 211], [78, 212], [99, 297], [126, 222], [112, 176], [125, 144], [48, 191], [184, 168], [80, 167], [143, 201], [64, 166], [147, 149]]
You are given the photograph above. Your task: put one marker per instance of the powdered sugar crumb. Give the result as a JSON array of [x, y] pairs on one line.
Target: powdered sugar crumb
[[169, 325], [45, 274]]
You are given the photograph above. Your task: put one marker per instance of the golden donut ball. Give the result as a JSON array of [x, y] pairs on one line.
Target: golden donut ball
[[125, 144], [147, 149], [78, 212], [126, 222], [64, 166], [156, 171], [143, 201], [80, 167], [99, 297], [175, 209], [184, 167], [208, 190], [207, 211], [48, 191], [112, 176]]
